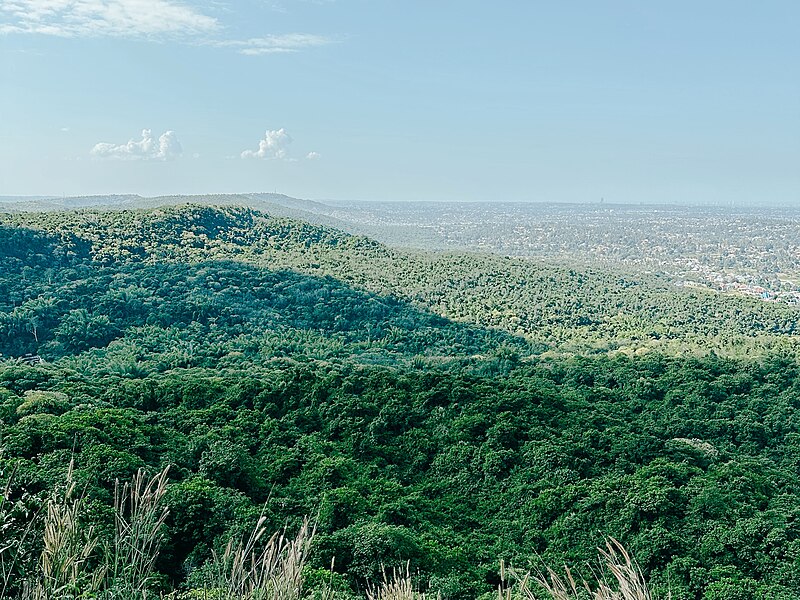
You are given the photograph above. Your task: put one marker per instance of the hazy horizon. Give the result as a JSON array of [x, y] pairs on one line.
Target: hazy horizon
[[333, 202]]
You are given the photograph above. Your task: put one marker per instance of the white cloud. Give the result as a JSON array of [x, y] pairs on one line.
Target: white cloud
[[138, 19], [313, 155], [148, 148], [274, 44], [274, 145], [118, 18]]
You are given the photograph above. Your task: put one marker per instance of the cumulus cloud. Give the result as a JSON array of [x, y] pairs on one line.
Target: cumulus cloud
[[274, 145], [165, 147], [87, 18], [313, 155]]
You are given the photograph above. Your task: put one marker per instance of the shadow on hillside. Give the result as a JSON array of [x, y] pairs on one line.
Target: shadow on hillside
[[71, 304], [38, 248]]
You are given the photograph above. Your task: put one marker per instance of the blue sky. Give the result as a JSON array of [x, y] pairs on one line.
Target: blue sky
[[680, 101]]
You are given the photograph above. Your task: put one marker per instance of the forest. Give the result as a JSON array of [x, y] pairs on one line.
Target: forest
[[442, 410]]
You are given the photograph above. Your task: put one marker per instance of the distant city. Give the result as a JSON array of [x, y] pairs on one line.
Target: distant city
[[753, 251]]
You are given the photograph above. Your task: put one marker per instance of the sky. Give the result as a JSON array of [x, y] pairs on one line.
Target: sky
[[513, 100]]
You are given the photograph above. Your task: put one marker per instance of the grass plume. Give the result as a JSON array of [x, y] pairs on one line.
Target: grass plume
[[66, 566], [397, 587], [626, 581], [138, 517], [258, 570]]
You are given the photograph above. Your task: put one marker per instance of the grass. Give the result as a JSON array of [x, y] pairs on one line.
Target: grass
[[16, 525], [66, 569], [72, 563], [397, 587], [252, 570], [138, 517], [620, 579]]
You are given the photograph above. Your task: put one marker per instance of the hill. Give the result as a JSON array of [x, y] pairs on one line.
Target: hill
[[555, 307], [451, 410]]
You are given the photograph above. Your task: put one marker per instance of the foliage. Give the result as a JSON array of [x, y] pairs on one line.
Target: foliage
[[254, 570], [447, 410], [555, 307]]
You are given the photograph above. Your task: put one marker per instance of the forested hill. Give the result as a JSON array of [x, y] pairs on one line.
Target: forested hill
[[123, 289], [554, 307], [450, 410], [184, 232]]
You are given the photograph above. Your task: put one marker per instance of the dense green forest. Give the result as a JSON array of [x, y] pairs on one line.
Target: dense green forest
[[450, 410], [563, 309]]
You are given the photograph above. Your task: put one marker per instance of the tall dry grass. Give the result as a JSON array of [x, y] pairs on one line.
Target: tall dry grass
[[139, 516], [73, 563], [16, 528], [261, 567], [620, 579], [66, 569], [398, 586]]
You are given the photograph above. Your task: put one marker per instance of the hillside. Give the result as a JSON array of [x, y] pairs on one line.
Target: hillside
[[451, 410], [555, 307]]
